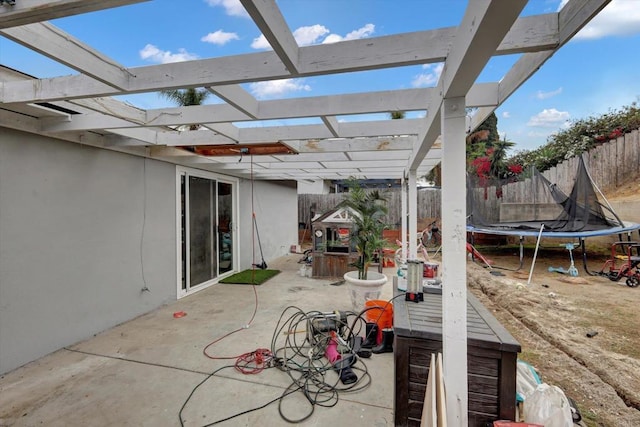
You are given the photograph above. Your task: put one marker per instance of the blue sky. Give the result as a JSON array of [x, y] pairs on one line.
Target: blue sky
[[594, 73]]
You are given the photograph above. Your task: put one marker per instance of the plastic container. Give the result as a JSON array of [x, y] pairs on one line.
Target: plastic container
[[430, 270], [382, 313]]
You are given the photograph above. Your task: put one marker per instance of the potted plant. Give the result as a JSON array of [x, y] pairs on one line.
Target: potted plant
[[369, 210]]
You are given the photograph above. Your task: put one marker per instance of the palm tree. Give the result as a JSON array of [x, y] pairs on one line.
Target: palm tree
[[366, 235], [498, 157], [397, 115], [186, 97]]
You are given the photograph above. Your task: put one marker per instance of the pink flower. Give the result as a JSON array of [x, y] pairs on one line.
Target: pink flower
[[515, 169]]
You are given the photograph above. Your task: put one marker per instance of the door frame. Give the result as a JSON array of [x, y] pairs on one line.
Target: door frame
[[235, 183]]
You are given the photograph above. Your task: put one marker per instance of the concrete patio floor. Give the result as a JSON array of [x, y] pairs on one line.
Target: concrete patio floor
[[141, 372]]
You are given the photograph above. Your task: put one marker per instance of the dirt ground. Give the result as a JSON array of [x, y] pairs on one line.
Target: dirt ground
[[552, 317]]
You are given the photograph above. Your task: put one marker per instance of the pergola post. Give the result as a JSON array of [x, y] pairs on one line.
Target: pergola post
[[403, 216], [413, 213], [454, 294]]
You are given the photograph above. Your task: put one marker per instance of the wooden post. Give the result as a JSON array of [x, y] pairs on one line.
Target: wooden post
[[454, 277]]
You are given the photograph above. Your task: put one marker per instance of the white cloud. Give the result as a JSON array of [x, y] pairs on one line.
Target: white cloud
[[260, 43], [506, 115], [332, 38], [308, 35], [312, 34], [220, 37], [271, 88], [618, 18], [360, 33], [231, 7], [153, 54], [429, 78], [544, 95], [550, 118]]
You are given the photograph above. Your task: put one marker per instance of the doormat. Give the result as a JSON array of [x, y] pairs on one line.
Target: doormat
[[250, 277]]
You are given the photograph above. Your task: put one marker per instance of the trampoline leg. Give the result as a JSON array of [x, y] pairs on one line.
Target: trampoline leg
[[583, 249], [521, 253]]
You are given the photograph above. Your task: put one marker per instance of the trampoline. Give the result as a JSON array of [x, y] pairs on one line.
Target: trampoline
[[626, 229], [578, 215]]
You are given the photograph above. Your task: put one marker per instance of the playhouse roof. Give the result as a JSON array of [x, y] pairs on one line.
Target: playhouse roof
[[339, 215]]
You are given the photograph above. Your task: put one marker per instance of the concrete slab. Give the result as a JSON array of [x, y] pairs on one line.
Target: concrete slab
[[141, 372]]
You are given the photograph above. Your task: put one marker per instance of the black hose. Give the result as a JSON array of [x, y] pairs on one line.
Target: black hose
[[262, 265]]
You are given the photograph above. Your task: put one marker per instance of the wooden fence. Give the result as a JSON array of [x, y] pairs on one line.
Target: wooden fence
[[610, 165], [428, 205]]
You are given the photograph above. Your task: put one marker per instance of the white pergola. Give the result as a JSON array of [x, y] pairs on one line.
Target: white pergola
[[80, 108]]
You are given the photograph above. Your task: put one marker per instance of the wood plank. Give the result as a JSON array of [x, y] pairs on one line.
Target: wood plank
[[62, 47], [479, 34], [508, 368], [30, 11], [239, 98], [401, 392], [416, 390], [441, 403], [484, 384], [429, 408], [267, 16], [575, 15], [331, 123]]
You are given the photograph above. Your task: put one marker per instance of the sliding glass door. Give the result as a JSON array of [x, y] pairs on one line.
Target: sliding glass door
[[225, 237], [207, 235]]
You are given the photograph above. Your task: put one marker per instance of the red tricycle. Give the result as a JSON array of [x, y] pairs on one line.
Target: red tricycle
[[629, 254]]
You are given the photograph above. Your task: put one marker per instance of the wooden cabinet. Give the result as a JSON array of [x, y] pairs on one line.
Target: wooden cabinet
[[491, 352]]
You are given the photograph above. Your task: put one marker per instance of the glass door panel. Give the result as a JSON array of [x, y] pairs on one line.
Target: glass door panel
[[225, 234], [202, 244]]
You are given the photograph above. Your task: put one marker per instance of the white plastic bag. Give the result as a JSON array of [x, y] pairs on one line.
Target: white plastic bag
[[547, 405], [527, 380]]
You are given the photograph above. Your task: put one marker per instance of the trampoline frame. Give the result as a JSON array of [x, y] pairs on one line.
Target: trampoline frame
[[627, 229]]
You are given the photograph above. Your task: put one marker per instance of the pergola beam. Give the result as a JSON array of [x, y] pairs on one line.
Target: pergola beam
[[239, 98], [329, 145], [274, 28], [372, 102], [572, 18], [347, 56], [29, 11], [575, 15], [332, 124], [56, 44]]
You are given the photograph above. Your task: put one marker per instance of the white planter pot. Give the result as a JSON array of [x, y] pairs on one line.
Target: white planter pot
[[364, 290]]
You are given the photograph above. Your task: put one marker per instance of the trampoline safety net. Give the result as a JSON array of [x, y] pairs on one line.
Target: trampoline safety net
[[538, 201]]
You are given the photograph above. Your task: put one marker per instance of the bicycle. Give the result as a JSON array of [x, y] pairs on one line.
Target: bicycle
[[431, 237]]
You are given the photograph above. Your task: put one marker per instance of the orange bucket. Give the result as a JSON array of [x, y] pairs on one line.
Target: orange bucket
[[382, 313]]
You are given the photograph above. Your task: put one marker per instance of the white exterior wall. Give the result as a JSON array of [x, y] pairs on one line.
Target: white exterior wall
[[79, 225], [315, 187], [276, 206], [72, 248]]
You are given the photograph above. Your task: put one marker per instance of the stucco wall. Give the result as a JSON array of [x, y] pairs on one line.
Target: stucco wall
[[78, 227], [276, 207], [315, 187]]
